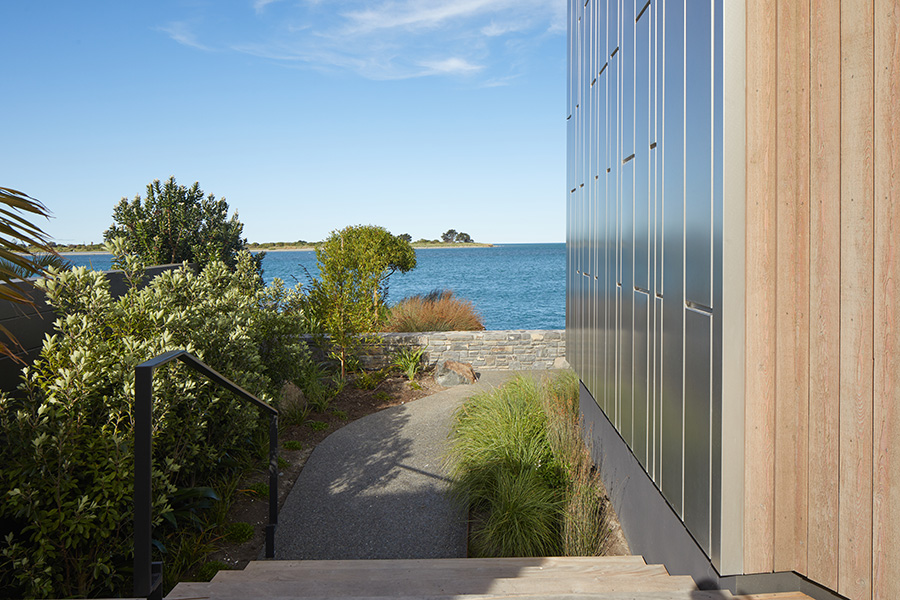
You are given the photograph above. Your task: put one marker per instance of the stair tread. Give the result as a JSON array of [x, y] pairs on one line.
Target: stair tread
[[775, 596], [353, 587], [190, 593], [445, 563], [431, 570]]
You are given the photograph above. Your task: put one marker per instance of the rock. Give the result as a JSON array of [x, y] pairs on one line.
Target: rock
[[449, 373], [560, 363]]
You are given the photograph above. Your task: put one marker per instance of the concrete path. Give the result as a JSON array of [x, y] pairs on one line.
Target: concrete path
[[376, 488]]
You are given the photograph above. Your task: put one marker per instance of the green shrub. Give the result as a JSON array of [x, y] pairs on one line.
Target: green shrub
[[66, 456], [439, 310], [293, 445], [409, 360]]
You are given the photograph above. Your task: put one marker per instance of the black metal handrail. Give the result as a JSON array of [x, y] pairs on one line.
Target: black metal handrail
[[147, 574]]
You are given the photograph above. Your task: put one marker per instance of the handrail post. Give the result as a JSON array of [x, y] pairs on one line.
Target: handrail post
[[273, 485], [144, 584], [148, 574]]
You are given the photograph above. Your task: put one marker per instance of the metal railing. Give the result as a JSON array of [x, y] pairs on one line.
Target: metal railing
[[148, 574]]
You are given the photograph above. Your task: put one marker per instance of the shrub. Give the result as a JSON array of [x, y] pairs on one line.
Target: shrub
[[66, 455], [355, 264], [409, 360], [437, 311], [175, 224]]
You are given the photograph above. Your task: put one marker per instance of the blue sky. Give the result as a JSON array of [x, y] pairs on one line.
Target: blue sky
[[306, 115]]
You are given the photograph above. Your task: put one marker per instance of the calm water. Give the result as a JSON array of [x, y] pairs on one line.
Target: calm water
[[513, 286]]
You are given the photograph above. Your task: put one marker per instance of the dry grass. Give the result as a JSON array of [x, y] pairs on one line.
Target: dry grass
[[437, 311]]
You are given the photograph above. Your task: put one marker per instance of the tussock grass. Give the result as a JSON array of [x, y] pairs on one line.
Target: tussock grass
[[521, 466], [439, 310]]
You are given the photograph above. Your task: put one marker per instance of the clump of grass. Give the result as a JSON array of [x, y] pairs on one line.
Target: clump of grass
[[409, 360], [238, 533], [439, 310], [317, 425], [381, 396], [520, 465], [292, 445], [340, 414], [257, 490]]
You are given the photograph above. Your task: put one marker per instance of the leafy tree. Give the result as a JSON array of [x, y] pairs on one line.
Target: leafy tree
[[463, 238], [405, 237], [355, 264], [19, 237], [175, 224], [449, 236]]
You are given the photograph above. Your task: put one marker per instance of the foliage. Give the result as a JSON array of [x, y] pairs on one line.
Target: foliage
[[449, 236], [439, 310], [405, 237], [175, 224], [292, 445], [257, 490], [521, 466], [409, 360], [317, 425], [67, 451], [369, 380], [208, 570], [318, 388], [463, 238], [19, 239], [355, 264]]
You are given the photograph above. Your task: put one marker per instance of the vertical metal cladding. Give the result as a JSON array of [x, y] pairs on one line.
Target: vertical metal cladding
[[644, 235]]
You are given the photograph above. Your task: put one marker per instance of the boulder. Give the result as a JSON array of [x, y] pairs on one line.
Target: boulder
[[449, 373]]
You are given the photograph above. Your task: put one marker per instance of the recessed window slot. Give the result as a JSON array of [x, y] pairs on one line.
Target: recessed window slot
[[588, 275], [603, 68], [659, 295], [569, 117], [573, 190], [653, 145], [614, 52], [582, 185], [608, 170], [697, 307], [593, 82], [641, 290], [628, 158]]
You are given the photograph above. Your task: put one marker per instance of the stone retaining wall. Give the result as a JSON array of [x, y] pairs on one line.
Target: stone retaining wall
[[505, 350]]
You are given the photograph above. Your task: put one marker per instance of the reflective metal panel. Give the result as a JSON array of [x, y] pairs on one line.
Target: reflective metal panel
[[641, 378], [642, 202], [672, 155], [698, 166], [697, 421], [644, 256]]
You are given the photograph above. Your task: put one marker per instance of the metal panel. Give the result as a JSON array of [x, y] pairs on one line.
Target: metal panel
[[697, 421], [641, 378], [627, 49], [612, 219], [642, 201], [672, 146], [698, 166], [626, 300]]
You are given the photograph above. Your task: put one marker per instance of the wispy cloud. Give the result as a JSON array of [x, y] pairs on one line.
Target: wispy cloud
[[450, 66], [260, 5], [396, 39], [182, 33]]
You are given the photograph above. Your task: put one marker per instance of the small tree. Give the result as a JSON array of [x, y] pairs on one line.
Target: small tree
[[175, 224], [355, 264], [463, 238], [405, 237], [449, 236]]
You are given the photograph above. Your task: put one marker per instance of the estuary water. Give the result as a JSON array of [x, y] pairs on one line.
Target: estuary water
[[512, 286]]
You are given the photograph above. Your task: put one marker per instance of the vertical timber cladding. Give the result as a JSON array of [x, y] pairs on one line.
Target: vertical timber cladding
[[644, 233]]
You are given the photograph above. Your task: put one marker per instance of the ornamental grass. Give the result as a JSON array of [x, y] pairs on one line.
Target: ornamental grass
[[439, 310], [523, 471]]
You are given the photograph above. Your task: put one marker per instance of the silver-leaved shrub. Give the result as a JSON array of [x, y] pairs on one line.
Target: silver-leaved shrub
[[66, 437]]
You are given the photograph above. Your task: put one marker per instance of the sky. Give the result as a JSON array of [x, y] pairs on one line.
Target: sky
[[305, 115]]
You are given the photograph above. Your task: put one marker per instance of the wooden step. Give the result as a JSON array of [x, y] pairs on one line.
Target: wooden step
[[228, 594], [777, 596]]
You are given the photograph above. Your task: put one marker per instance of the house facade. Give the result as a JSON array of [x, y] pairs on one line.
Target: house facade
[[733, 284]]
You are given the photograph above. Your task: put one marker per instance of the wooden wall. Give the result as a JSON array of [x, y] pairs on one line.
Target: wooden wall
[[822, 422]]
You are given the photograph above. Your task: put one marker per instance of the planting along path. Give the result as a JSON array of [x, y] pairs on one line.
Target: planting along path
[[376, 488]]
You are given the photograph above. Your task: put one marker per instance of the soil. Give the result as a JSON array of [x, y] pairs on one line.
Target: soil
[[350, 404]]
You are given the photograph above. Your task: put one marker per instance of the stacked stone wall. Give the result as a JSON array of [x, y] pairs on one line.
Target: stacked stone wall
[[502, 350]]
